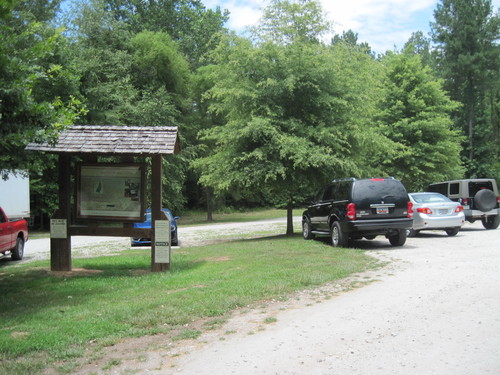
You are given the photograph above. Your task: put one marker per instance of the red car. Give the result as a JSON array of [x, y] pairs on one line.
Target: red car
[[13, 236]]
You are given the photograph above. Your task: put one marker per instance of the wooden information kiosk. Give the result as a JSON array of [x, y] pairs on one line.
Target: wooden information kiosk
[[106, 191]]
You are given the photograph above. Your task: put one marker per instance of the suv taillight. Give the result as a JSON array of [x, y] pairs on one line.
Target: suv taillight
[[459, 209], [410, 210], [351, 211], [465, 201]]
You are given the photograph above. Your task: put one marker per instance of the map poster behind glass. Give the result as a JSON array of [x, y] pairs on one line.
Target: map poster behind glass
[[111, 191]]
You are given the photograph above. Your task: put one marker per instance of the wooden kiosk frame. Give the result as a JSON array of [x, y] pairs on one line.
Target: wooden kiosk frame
[[88, 142]]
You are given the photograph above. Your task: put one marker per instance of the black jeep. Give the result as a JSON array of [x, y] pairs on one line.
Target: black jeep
[[352, 209]]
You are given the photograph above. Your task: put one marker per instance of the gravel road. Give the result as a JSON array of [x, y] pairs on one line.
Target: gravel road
[[434, 309]]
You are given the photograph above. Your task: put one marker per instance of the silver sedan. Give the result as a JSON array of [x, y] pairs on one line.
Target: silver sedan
[[433, 211]]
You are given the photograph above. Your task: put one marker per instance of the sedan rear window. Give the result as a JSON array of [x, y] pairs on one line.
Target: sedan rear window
[[430, 198]]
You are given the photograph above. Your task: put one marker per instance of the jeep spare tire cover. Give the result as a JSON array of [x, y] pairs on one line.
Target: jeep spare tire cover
[[485, 200]]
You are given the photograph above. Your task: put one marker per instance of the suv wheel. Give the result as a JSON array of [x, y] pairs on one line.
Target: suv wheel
[[306, 229], [339, 238], [485, 200], [452, 231], [491, 222], [398, 239]]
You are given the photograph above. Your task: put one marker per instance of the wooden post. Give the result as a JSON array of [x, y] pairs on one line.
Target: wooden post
[[156, 206], [60, 248]]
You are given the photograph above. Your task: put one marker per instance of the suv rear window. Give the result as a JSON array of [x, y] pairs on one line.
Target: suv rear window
[[439, 188], [376, 189], [454, 189], [474, 187]]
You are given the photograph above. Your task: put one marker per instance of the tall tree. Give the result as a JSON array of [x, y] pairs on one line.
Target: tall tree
[[351, 38], [418, 44], [296, 111], [285, 22], [36, 82], [133, 79], [415, 115], [194, 27], [468, 55]]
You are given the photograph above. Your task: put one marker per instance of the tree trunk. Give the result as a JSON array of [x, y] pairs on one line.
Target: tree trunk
[[289, 218], [471, 145], [209, 198]]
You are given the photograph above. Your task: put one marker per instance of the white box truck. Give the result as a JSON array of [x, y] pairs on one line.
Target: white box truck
[[15, 194]]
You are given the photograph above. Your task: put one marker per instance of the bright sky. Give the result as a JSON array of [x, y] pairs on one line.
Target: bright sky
[[382, 23]]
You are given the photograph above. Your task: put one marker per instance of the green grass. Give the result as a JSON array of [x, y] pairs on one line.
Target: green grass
[[48, 317]]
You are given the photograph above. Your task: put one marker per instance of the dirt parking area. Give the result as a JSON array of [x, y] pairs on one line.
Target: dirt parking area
[[434, 309]]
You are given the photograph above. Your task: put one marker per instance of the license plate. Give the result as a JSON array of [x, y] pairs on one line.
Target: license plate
[[382, 210]]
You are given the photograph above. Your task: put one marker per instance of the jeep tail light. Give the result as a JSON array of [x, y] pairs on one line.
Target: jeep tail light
[[424, 210], [465, 201], [498, 200], [459, 209], [410, 210], [351, 211]]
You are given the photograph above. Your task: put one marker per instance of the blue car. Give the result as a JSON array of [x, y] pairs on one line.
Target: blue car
[[137, 241]]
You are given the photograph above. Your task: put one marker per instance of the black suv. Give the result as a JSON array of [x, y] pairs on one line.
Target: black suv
[[351, 209]]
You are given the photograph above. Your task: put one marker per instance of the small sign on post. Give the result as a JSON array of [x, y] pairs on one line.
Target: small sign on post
[[162, 241], [58, 228]]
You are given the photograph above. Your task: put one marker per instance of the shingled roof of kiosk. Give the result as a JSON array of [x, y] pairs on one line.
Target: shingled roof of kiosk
[[121, 140]]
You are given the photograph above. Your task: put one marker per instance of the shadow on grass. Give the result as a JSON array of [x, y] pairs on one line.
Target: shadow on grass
[[31, 289]]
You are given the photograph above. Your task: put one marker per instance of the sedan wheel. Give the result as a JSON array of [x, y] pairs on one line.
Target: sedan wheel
[[411, 232], [452, 231]]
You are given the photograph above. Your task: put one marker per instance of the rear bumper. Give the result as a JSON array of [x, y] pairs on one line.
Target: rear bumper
[[426, 222], [377, 226], [476, 214]]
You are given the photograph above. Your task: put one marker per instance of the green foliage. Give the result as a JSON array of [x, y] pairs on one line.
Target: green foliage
[[350, 38], [36, 83], [415, 116], [297, 115], [290, 21], [188, 22], [468, 56], [418, 44], [158, 63]]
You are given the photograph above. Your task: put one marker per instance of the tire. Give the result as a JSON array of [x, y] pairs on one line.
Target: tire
[[18, 251], [306, 229], [485, 200], [175, 242], [491, 222], [398, 239], [339, 238], [452, 231]]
